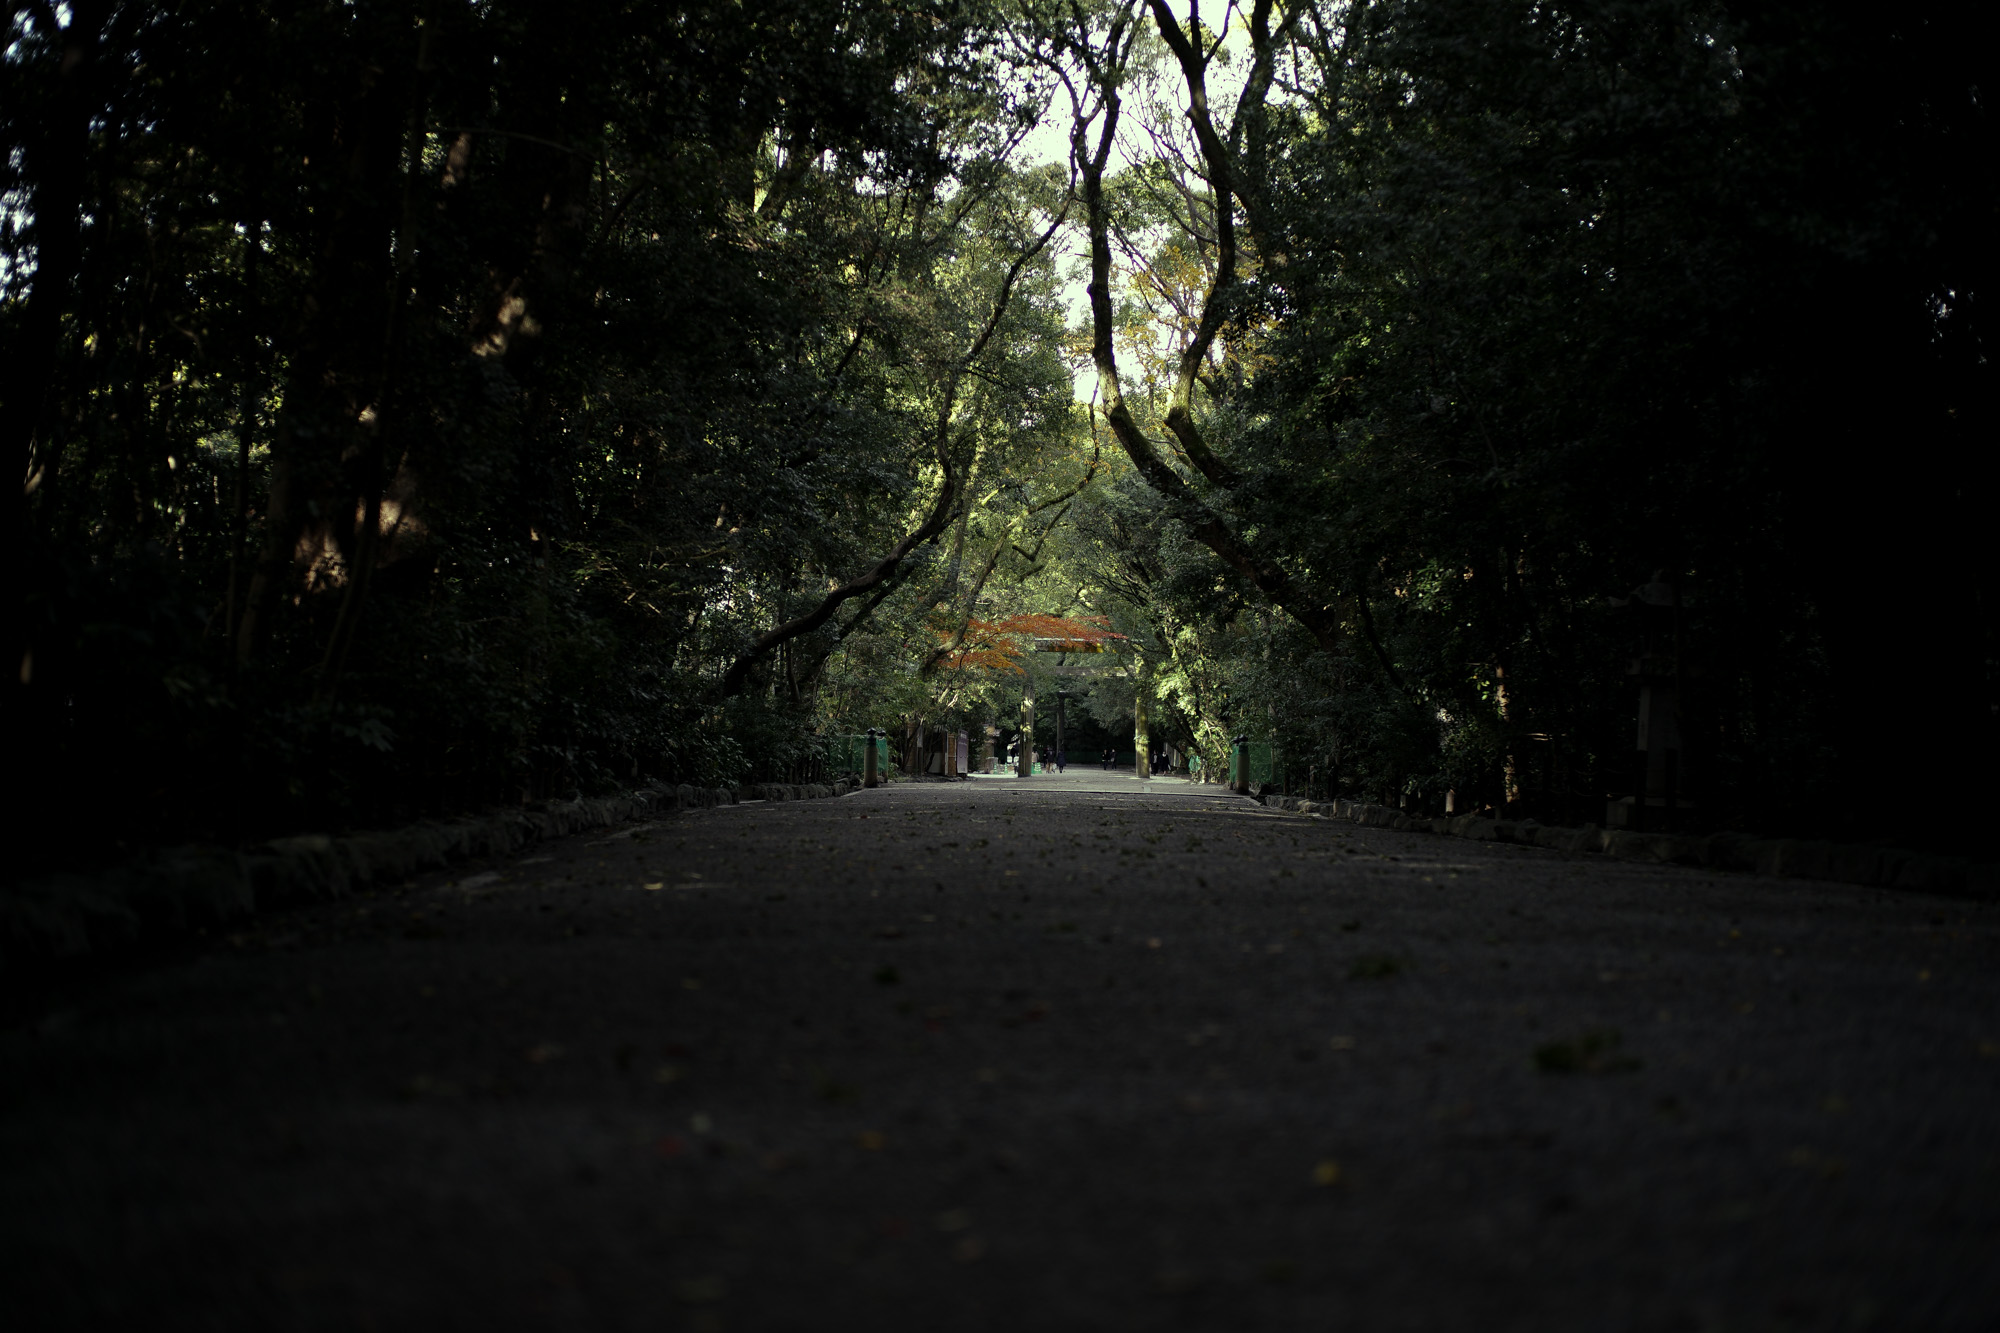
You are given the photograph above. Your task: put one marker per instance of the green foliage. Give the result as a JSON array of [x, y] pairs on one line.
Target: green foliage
[[1540, 310], [428, 406], [438, 401]]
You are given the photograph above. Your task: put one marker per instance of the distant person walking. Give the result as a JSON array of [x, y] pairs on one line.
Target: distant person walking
[[1062, 758]]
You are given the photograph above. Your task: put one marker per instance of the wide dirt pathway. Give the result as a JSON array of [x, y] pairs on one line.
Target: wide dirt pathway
[[1005, 1055]]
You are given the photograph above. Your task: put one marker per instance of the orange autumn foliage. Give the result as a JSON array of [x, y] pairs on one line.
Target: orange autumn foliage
[[997, 645]]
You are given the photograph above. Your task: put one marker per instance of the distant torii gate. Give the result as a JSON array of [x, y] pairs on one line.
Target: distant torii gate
[[1024, 763]]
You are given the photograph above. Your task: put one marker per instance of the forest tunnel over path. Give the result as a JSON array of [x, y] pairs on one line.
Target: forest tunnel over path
[[428, 411], [1435, 393], [1004, 1054]]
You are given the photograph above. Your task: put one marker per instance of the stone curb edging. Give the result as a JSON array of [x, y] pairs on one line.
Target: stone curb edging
[[66, 916], [795, 791], [1843, 863]]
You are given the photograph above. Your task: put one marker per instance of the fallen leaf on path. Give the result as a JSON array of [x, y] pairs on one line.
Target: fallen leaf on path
[[1827, 1168], [701, 1290], [424, 1085], [1594, 1052], [1326, 1173], [869, 1141]]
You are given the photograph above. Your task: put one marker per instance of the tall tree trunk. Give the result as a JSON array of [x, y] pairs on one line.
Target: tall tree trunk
[[370, 466], [246, 413], [1142, 736], [55, 161], [324, 457]]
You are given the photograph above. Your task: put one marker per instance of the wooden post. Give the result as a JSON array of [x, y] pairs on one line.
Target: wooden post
[[871, 771]]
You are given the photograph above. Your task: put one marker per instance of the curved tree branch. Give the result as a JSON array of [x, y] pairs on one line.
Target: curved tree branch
[[883, 570], [1203, 522], [886, 569]]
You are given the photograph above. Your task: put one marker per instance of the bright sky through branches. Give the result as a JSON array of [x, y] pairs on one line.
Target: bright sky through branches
[[1155, 111]]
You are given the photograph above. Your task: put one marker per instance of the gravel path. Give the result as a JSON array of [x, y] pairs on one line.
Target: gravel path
[[1064, 1053]]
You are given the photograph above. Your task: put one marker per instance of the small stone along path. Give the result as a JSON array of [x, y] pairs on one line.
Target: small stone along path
[[1059, 1053]]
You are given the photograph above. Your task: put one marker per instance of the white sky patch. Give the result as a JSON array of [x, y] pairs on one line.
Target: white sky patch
[[1158, 94]]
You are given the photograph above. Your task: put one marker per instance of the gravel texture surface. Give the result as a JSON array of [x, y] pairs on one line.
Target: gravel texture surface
[[1063, 1053]]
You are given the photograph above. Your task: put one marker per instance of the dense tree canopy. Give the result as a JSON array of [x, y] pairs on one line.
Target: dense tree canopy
[[421, 405]]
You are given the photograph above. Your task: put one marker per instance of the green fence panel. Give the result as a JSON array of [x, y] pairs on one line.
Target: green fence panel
[[1260, 762], [845, 754], [1259, 756]]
